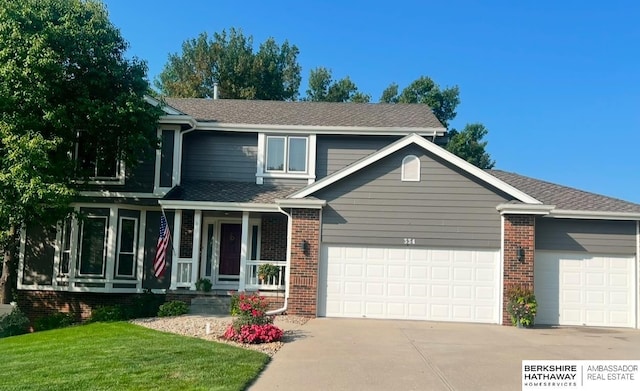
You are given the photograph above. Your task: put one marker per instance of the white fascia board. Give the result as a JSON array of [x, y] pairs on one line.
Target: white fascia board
[[301, 203], [594, 215], [226, 206], [125, 194], [525, 209], [178, 120], [165, 107], [429, 146], [306, 129]]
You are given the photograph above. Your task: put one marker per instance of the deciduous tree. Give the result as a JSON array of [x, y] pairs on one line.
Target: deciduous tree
[[63, 70], [468, 145], [322, 88], [271, 73]]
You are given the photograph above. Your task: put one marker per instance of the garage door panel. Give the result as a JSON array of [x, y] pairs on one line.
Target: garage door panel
[[585, 289], [427, 284]]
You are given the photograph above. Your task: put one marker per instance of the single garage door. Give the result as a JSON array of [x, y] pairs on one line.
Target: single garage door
[[409, 283], [585, 289]]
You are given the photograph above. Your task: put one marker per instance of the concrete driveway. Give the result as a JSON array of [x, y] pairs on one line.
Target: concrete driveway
[[366, 354]]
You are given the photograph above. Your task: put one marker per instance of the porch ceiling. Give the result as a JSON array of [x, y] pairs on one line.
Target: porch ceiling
[[221, 191]]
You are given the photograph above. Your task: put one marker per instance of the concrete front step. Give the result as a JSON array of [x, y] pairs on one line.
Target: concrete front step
[[210, 305]]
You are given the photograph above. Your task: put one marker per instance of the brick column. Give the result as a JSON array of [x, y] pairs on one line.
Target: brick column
[[303, 276], [519, 231]]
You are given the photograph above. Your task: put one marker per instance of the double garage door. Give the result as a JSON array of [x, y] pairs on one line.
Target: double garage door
[[409, 283], [585, 289]]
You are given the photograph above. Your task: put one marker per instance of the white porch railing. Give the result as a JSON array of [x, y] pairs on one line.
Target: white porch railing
[[253, 282]]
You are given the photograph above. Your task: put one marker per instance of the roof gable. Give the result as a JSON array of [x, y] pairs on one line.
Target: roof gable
[[432, 148]]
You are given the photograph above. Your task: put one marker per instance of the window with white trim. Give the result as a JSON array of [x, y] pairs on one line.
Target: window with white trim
[[93, 251], [286, 154], [411, 169], [65, 247], [98, 162], [127, 244]]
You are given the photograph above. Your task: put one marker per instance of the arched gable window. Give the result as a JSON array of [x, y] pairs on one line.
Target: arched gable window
[[411, 169]]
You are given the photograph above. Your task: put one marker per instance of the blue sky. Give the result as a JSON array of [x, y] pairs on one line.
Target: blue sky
[[557, 83]]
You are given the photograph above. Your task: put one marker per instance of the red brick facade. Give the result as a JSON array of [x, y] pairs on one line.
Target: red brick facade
[[186, 234], [37, 304], [519, 232], [305, 246], [273, 241]]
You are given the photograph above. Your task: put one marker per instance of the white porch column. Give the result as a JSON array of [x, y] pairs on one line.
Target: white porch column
[[243, 250], [175, 248], [195, 252]]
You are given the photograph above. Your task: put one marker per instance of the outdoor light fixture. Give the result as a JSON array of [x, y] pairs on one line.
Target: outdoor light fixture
[[520, 254], [304, 245]]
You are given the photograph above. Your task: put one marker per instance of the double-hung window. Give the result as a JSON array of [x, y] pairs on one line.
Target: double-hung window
[[93, 251], [98, 162], [126, 255], [286, 154]]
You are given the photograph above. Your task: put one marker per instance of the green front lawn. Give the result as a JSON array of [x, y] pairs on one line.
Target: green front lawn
[[123, 356]]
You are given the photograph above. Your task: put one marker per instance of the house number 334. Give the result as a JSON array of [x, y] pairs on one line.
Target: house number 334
[[409, 241]]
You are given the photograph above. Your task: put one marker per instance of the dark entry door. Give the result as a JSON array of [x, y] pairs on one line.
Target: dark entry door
[[230, 244]]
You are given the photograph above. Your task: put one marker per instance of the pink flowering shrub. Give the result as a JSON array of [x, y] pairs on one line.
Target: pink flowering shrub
[[252, 325]]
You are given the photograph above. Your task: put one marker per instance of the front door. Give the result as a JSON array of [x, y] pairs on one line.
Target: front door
[[230, 245]]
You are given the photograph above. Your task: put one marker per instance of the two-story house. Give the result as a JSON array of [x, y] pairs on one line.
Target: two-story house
[[362, 211]]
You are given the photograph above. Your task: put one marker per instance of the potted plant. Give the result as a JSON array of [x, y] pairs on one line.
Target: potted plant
[[521, 305], [268, 271], [204, 285]]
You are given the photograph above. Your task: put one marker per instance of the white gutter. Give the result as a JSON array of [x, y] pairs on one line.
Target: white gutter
[[525, 209], [225, 206], [287, 272], [301, 203], [595, 215]]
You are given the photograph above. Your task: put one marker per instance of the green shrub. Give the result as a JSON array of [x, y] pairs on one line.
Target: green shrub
[[54, 321], [204, 285], [14, 323], [108, 313], [234, 307], [144, 305], [173, 308]]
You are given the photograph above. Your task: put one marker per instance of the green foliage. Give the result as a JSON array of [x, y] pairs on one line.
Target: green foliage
[[173, 308], [130, 358], [63, 69], [271, 73], [468, 145], [108, 313], [54, 321], [443, 102], [234, 309], [322, 88], [267, 271], [521, 304], [13, 323], [144, 305], [204, 284]]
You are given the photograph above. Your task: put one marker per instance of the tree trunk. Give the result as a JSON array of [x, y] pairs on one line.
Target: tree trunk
[[8, 270]]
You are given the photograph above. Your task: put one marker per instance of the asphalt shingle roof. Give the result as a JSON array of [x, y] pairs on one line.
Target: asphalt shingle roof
[[263, 112], [564, 197], [220, 191]]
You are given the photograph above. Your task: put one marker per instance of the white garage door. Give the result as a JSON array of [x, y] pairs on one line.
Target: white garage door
[[409, 283], [585, 289]]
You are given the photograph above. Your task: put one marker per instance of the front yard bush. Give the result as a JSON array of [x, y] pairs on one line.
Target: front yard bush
[[54, 321], [252, 325], [173, 308], [14, 323], [108, 313]]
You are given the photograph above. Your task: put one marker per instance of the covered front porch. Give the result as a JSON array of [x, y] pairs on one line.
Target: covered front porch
[[227, 248]]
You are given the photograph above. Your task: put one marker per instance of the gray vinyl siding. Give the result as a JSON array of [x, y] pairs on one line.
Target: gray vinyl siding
[[336, 152], [594, 236], [445, 209], [39, 255], [219, 156], [149, 280], [166, 158]]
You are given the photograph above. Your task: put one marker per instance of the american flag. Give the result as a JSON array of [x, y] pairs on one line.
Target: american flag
[[160, 261]]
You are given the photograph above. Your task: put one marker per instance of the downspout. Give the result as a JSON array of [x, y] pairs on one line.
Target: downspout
[[288, 265]]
